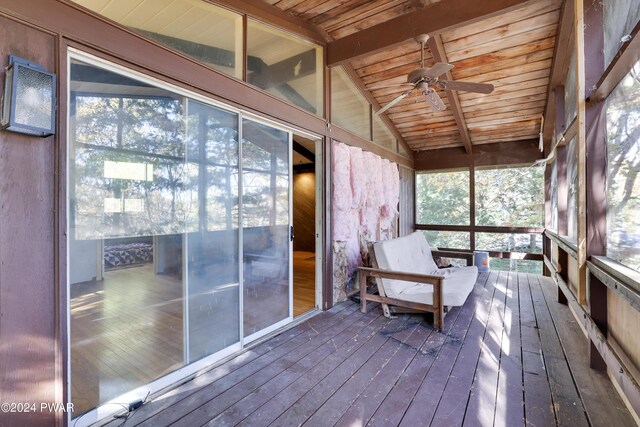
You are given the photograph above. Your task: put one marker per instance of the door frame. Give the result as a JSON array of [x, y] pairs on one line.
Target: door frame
[[322, 228]]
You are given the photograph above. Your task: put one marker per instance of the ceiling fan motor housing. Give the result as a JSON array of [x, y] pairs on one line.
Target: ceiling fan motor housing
[[420, 74]]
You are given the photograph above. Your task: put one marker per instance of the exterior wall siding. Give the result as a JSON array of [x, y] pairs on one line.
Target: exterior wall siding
[[29, 351]]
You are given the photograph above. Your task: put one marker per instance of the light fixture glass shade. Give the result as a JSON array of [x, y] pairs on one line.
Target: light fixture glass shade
[[28, 99]]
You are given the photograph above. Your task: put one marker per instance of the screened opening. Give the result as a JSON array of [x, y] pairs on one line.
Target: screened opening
[[623, 167], [443, 198]]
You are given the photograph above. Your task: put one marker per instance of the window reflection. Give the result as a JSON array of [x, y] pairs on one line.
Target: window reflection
[[154, 230], [572, 190], [286, 66], [265, 207], [623, 168]]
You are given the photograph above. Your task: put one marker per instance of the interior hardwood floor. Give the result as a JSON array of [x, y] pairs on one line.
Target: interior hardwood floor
[[304, 282], [125, 332]]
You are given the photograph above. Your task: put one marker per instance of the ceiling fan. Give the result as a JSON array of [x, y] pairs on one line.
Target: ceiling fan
[[424, 79]]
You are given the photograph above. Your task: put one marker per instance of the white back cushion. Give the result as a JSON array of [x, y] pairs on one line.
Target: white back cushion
[[410, 254]]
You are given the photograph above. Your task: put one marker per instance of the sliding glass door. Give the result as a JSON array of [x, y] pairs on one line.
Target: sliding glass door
[[179, 233], [266, 221]]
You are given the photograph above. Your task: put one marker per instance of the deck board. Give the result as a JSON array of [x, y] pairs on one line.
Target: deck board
[[505, 358], [593, 384], [539, 405], [566, 400]]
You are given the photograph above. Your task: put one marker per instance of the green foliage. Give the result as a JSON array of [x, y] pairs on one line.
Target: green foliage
[[504, 197], [519, 265], [193, 157], [448, 239], [511, 197], [443, 198]]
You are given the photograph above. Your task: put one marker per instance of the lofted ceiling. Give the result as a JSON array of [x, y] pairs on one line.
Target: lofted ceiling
[[513, 50]]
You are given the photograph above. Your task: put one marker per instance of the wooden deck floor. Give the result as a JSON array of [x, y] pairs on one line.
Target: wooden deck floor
[[511, 356]]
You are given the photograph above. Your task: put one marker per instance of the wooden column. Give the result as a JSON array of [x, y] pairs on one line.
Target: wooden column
[[595, 168], [472, 206], [546, 243]]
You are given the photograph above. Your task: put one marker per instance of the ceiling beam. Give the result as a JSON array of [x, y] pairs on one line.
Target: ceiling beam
[[435, 18], [439, 55], [511, 153], [376, 106], [559, 69], [304, 152]]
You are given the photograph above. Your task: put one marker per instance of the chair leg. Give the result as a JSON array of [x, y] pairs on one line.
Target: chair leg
[[438, 313], [438, 318], [362, 279]]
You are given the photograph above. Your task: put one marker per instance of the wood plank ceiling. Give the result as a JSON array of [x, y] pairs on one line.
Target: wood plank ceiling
[[512, 50]]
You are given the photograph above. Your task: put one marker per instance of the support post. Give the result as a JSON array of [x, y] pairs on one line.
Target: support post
[[579, 25], [595, 169]]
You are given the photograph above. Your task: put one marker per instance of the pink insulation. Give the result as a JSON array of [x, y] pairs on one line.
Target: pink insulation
[[345, 224], [395, 184], [341, 177], [358, 178], [375, 189], [365, 198], [387, 211]]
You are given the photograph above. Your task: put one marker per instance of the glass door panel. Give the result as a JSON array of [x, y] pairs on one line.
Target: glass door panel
[[128, 212], [266, 225], [213, 286]]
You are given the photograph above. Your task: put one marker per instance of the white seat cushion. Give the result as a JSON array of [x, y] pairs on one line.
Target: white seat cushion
[[412, 254]]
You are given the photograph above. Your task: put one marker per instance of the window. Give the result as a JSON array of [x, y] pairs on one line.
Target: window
[[570, 100], [205, 32], [620, 16], [572, 190], [448, 239], [349, 109], [443, 198], [382, 135], [623, 167], [286, 66], [511, 197]]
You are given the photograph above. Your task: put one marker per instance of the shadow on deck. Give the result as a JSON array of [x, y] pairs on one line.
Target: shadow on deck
[[510, 356]]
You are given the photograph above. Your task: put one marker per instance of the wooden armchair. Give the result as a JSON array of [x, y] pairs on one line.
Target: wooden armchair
[[405, 306], [409, 281]]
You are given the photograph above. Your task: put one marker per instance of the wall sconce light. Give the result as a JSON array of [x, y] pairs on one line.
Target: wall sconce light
[[29, 99]]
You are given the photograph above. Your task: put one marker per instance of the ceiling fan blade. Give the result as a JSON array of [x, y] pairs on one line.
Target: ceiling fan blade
[[395, 101], [434, 100], [438, 69], [465, 86]]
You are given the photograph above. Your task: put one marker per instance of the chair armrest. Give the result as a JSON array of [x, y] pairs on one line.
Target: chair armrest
[[400, 275], [454, 254], [436, 307]]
